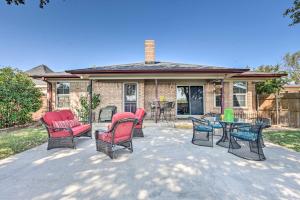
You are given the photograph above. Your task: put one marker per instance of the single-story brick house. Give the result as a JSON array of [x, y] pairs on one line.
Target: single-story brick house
[[195, 89]]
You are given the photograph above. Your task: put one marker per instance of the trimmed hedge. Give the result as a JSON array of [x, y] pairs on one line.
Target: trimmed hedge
[[19, 98]]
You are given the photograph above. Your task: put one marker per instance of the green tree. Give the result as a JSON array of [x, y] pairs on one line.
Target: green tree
[[18, 2], [294, 12], [270, 86], [292, 66], [18, 97]]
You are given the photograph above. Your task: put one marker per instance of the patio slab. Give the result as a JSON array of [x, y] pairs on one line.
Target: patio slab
[[164, 165]]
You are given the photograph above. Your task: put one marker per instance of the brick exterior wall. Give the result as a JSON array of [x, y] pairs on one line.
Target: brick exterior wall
[[77, 89], [111, 92]]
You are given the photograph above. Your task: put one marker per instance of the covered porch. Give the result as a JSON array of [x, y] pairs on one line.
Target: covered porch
[[189, 97]]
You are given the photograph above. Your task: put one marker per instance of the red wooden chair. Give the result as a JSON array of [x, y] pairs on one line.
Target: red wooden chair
[[140, 115], [63, 128], [119, 133]]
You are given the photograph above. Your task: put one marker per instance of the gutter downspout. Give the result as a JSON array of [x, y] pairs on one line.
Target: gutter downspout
[[222, 96], [91, 101], [156, 99]]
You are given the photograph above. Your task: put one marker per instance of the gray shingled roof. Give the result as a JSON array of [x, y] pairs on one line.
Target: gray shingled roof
[[158, 66], [38, 70]]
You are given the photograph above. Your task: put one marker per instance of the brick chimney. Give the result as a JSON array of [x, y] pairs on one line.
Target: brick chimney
[[149, 51]]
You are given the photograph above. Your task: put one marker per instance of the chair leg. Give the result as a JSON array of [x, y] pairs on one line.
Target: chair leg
[[131, 147]]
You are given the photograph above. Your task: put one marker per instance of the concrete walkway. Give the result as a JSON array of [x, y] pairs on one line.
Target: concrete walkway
[[164, 165]]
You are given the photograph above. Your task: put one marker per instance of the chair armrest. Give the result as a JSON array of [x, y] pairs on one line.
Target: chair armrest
[[240, 127], [59, 129], [199, 121], [101, 131]]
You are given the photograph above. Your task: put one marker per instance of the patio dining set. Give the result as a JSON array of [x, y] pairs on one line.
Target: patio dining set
[[162, 110], [243, 138]]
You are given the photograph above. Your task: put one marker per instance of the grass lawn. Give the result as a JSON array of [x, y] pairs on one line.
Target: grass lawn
[[20, 140], [289, 139]]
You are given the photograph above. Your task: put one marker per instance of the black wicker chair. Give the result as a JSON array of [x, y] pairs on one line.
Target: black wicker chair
[[119, 135], [202, 132], [245, 142]]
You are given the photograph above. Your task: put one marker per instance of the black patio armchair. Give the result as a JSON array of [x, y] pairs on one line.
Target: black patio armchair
[[202, 132], [245, 142]]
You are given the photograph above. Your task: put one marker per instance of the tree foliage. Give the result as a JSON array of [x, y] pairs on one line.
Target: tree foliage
[[18, 97], [19, 2], [292, 66], [294, 12], [270, 86]]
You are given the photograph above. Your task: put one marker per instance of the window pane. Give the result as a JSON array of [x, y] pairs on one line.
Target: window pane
[[239, 87], [217, 91], [183, 100], [63, 101], [63, 88], [239, 100], [130, 92], [218, 100]]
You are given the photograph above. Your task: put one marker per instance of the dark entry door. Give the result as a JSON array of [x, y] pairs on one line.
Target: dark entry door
[[130, 97], [196, 100]]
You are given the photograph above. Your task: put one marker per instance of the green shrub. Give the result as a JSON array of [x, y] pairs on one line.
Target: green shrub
[[83, 111], [19, 98]]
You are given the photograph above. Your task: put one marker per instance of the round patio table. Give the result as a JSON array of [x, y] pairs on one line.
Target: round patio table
[[228, 126]]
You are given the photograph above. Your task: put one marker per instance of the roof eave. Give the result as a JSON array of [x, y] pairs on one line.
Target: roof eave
[[157, 71], [56, 76], [259, 75]]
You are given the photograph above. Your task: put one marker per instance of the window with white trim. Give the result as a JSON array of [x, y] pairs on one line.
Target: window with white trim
[[63, 95], [239, 93], [217, 94]]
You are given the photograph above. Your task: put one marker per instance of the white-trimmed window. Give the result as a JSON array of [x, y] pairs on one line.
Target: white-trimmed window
[[217, 94], [63, 95], [239, 93]]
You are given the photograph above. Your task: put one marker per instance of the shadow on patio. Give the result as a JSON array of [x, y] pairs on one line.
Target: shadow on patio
[[164, 165]]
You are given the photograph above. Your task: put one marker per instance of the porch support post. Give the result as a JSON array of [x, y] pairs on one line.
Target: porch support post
[[49, 94], [156, 100], [277, 107], [222, 96], [91, 99]]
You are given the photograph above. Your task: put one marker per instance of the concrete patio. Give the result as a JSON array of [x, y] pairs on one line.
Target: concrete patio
[[164, 165]]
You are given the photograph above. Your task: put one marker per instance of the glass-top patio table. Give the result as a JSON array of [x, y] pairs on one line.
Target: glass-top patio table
[[228, 126]]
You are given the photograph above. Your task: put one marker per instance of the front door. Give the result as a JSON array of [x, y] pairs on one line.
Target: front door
[[130, 97]]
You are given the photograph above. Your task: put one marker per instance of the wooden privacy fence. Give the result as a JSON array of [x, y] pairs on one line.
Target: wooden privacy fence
[[288, 109]]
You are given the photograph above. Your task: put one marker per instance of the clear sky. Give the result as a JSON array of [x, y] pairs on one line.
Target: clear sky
[[70, 34]]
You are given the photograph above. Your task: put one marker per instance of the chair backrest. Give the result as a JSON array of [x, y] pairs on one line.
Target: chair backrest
[[140, 114], [49, 117], [66, 114], [201, 121], [256, 128], [266, 122], [228, 114], [122, 126]]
